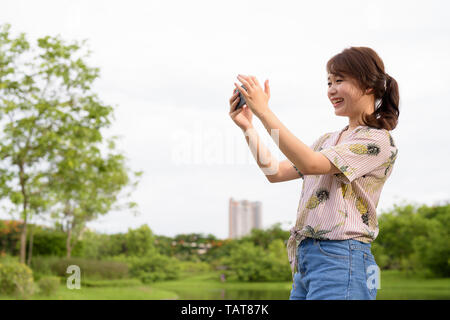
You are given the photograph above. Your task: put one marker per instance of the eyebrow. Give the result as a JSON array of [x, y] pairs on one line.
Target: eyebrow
[[336, 76]]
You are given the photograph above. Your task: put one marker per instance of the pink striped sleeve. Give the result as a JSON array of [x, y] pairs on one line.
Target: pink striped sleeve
[[362, 153]]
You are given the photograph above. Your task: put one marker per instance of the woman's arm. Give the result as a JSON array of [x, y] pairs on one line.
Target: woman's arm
[[286, 172], [266, 162], [282, 171], [308, 161]]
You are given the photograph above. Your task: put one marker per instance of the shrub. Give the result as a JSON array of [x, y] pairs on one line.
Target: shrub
[[49, 285], [93, 269], [415, 240], [194, 267], [381, 258], [48, 242], [42, 266], [155, 267], [249, 262], [140, 241], [98, 246], [7, 258], [16, 279], [432, 251]]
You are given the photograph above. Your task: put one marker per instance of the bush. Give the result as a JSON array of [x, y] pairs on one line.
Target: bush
[[249, 262], [415, 240], [42, 266], [49, 285], [381, 258], [48, 242], [195, 267], [155, 267], [7, 258], [432, 251], [140, 241], [16, 279], [93, 269], [98, 246]]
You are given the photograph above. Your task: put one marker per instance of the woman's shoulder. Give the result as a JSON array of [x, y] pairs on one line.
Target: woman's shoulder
[[376, 134], [321, 140]]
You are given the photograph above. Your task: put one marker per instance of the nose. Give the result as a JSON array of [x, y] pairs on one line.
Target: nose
[[331, 90]]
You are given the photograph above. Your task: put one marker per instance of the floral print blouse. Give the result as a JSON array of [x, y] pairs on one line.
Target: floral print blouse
[[343, 206]]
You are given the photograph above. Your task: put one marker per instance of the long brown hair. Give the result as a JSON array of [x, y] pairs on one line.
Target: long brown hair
[[365, 66]]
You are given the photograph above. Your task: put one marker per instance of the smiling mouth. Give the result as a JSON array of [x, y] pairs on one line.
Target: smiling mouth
[[338, 104]]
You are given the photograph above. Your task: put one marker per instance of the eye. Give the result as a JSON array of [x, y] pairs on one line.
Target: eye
[[336, 81]]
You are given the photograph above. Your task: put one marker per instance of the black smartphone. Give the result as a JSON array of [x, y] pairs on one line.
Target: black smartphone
[[241, 100]]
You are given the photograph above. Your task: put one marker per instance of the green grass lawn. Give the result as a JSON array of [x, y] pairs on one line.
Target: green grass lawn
[[394, 285], [105, 293], [398, 285]]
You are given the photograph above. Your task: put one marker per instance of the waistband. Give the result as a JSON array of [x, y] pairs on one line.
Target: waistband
[[352, 243]]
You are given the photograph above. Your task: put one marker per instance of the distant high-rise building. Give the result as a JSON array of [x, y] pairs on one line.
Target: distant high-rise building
[[243, 217]]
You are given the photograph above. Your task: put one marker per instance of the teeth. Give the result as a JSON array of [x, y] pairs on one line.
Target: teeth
[[338, 100]]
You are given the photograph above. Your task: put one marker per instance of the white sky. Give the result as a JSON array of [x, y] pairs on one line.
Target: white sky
[[169, 67]]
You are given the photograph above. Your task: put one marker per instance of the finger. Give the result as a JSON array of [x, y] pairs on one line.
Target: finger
[[235, 94], [242, 90], [250, 79], [255, 81], [245, 82], [267, 88], [234, 103], [236, 112]]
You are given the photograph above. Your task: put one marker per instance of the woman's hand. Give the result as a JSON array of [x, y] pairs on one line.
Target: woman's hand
[[242, 116], [256, 99]]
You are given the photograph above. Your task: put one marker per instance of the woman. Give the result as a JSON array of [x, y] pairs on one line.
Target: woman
[[343, 174]]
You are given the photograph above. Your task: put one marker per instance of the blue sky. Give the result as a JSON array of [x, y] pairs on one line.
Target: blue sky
[[169, 68]]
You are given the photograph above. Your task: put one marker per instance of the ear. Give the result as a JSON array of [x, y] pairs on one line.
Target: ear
[[369, 91]]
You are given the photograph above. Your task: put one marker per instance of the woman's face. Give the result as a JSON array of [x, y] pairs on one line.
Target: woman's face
[[354, 101]]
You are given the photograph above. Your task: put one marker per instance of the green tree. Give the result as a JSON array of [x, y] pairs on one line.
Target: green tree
[[264, 237], [397, 230], [49, 116], [432, 250], [48, 242], [249, 262], [87, 184], [140, 241], [415, 239]]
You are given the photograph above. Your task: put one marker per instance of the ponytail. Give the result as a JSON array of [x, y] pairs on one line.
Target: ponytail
[[387, 113]]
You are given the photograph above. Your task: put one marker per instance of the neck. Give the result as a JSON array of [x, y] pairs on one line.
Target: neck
[[352, 125], [368, 103]]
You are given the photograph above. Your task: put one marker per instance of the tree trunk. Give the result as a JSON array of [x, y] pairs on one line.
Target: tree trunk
[[23, 236], [23, 240], [30, 245], [69, 237]]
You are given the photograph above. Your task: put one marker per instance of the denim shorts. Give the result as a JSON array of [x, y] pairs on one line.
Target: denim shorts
[[335, 270]]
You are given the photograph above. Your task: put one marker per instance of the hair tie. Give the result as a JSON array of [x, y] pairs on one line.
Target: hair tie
[[377, 104], [387, 78]]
